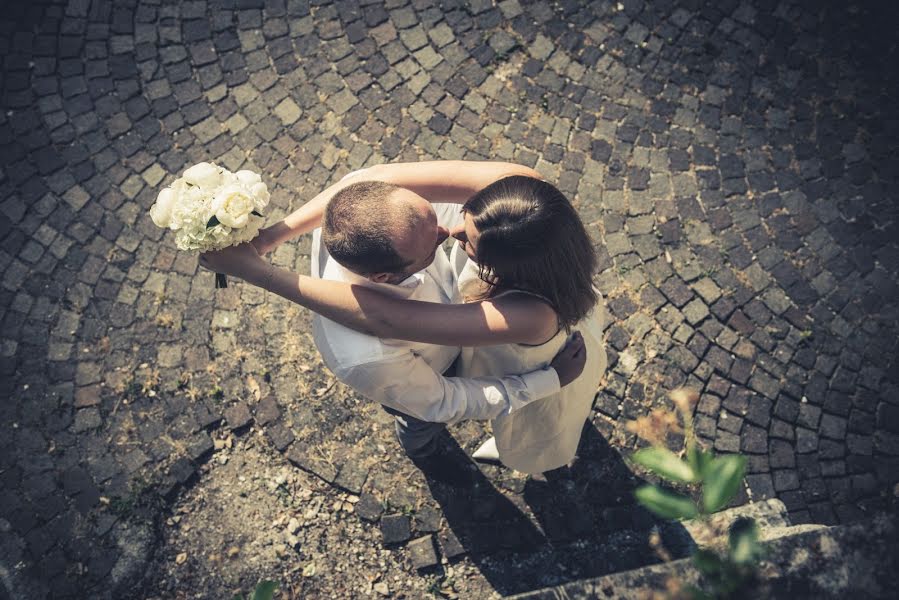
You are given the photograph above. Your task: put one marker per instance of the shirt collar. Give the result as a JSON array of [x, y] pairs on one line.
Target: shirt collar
[[404, 289]]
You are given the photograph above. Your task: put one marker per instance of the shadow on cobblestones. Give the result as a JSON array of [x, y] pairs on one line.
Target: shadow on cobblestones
[[735, 163], [575, 523]]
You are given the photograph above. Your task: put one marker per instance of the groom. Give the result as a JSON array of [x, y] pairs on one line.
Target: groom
[[379, 230]]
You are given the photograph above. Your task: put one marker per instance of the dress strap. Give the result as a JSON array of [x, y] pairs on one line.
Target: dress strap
[[536, 295]]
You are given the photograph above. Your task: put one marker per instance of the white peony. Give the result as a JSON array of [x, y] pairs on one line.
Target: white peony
[[260, 195], [248, 178], [205, 175], [232, 206], [161, 211], [228, 178]]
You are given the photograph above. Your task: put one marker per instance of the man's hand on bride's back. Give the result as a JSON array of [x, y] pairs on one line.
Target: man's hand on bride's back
[[569, 362]]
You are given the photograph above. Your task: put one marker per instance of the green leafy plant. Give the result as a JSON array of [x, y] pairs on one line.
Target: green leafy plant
[[264, 591], [715, 480], [725, 576]]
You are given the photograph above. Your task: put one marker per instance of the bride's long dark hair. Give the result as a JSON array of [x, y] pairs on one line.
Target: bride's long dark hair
[[531, 238]]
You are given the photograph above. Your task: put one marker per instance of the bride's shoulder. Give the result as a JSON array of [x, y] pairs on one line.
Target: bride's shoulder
[[537, 317]]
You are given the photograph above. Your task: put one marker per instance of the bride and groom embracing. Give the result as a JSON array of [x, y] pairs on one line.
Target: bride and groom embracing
[[508, 327]]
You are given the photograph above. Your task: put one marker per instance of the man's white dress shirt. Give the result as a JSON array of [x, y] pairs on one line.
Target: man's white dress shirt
[[407, 376]]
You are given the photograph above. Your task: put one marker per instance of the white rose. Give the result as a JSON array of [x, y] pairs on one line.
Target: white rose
[[205, 175], [232, 206], [248, 178], [161, 211]]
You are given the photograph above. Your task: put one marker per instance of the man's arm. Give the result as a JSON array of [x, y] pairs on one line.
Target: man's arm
[[439, 181], [447, 181], [409, 384]]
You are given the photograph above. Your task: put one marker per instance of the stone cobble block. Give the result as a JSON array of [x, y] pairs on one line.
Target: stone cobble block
[[785, 480], [280, 435], [238, 416], [369, 508], [351, 478], [422, 552], [86, 419], [754, 440], [321, 468], [395, 529]]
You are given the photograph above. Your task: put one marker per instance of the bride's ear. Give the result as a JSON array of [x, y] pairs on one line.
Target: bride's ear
[[379, 277]]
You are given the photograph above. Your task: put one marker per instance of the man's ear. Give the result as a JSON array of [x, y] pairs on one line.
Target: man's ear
[[379, 277]]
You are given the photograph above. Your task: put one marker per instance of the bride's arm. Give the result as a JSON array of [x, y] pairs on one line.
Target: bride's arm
[[510, 319], [515, 318], [450, 181]]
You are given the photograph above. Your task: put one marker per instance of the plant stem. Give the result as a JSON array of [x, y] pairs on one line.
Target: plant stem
[[689, 436]]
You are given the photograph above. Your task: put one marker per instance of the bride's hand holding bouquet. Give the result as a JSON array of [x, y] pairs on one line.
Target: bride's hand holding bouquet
[[242, 261]]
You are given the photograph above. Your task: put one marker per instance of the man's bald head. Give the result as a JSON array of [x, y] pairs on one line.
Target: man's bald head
[[362, 224]]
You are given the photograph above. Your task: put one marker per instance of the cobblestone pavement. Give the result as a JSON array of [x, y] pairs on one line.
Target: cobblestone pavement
[[735, 162]]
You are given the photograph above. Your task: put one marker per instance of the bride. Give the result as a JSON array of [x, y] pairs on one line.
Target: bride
[[524, 264]]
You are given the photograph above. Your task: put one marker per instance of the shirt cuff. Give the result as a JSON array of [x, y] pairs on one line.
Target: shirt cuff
[[540, 384]]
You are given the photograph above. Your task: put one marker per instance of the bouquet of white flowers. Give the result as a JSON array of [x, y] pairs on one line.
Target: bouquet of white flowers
[[210, 208]]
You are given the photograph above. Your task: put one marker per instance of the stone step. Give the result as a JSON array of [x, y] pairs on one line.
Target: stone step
[[769, 515], [778, 532], [680, 538], [803, 560], [625, 544]]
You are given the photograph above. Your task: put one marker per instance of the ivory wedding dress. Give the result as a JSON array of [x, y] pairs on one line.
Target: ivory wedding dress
[[544, 434]]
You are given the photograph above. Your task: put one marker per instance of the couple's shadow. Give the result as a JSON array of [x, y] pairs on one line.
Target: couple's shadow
[[585, 521]]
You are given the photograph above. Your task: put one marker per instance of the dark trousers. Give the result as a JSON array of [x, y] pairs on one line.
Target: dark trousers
[[417, 437]]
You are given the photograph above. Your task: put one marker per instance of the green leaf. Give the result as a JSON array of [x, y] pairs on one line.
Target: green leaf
[[265, 590], [743, 540], [212, 222], [257, 213], [707, 562], [699, 461], [722, 481], [665, 463], [665, 503]]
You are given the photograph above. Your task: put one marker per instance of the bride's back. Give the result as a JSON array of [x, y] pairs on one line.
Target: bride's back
[[544, 434]]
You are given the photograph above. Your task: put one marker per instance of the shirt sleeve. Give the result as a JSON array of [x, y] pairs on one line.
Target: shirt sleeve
[[449, 215], [408, 384], [351, 173]]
